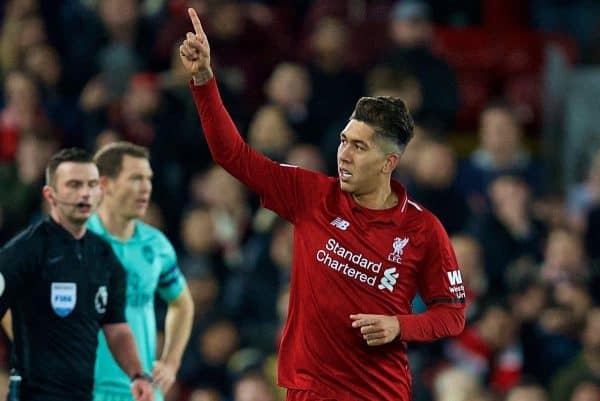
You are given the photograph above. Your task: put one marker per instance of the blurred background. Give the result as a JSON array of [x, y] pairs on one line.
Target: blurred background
[[506, 97]]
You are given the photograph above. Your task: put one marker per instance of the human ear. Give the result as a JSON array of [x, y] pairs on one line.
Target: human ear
[[391, 162]]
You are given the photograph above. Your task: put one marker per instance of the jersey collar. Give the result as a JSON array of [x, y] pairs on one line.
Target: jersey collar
[[96, 225], [60, 230], [392, 215]]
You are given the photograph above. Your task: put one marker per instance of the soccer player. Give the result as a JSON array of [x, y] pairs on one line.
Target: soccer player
[[151, 266], [362, 249], [63, 283]]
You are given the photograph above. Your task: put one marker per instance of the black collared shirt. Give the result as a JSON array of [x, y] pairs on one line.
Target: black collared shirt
[[60, 290]]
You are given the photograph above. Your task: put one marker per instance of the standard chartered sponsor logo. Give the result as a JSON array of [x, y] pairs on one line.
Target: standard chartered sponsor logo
[[388, 281], [354, 265]]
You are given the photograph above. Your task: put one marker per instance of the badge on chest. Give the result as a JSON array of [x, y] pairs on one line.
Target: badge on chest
[[63, 297]]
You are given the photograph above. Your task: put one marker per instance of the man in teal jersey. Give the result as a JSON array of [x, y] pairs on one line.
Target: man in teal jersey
[[151, 265]]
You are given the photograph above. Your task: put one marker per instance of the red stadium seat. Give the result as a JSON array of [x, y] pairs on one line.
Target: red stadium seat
[[474, 92], [522, 53], [467, 49], [504, 15], [524, 92]]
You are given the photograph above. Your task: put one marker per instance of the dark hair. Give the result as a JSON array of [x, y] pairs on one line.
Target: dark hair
[[388, 116], [109, 159], [75, 155]]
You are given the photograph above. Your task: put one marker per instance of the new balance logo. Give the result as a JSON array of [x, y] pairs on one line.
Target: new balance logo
[[340, 223], [454, 277], [388, 281]]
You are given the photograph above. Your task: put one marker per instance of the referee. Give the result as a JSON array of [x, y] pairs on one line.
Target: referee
[[62, 284]]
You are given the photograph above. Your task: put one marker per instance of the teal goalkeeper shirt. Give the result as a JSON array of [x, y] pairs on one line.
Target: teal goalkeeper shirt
[[151, 265]]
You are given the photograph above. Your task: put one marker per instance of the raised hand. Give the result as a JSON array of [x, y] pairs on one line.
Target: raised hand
[[195, 51]]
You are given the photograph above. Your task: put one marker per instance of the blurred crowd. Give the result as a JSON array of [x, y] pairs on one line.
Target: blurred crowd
[[487, 159]]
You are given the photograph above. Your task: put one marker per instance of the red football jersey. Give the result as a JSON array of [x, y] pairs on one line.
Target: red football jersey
[[347, 260]]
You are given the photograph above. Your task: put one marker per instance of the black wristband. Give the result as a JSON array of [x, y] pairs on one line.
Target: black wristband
[[141, 375]]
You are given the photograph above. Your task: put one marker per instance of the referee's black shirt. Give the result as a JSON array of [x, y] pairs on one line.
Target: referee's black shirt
[[61, 291]]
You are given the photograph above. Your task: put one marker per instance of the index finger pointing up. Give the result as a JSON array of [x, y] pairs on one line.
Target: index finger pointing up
[[196, 22]]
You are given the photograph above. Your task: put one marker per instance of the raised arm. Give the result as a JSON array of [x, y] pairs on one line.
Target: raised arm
[[15, 270], [195, 52], [224, 141], [279, 186]]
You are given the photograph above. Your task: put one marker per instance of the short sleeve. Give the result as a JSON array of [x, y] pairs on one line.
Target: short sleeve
[[15, 269], [115, 310], [440, 280], [171, 281]]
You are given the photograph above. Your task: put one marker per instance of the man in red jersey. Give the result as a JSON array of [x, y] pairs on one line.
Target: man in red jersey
[[362, 249]]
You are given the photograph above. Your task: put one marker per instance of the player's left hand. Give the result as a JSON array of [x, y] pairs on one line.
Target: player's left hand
[[163, 374], [142, 390], [376, 329]]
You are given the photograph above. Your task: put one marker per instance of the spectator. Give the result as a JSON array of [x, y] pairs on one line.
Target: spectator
[[508, 231], [21, 181], [582, 197], [252, 387], [489, 348], [306, 156], [585, 366], [334, 85], [411, 33], [434, 186], [586, 391], [22, 111], [500, 152], [456, 384], [270, 132], [564, 258], [527, 392], [469, 254], [289, 88]]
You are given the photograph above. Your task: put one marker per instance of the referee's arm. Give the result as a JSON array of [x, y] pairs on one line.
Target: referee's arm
[[122, 346], [14, 270], [7, 325], [118, 333]]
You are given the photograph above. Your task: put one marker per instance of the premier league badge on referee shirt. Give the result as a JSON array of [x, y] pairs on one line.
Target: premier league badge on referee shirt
[[63, 297], [101, 299]]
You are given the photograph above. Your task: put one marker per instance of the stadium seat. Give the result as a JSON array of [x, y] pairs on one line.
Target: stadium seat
[[503, 15], [467, 49], [522, 53], [524, 92], [474, 92]]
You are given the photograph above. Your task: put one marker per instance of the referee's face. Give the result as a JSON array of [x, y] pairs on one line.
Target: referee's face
[[76, 193], [130, 191]]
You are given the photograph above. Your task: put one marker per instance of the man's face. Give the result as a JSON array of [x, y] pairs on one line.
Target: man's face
[[360, 159], [76, 191], [499, 132], [130, 191]]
